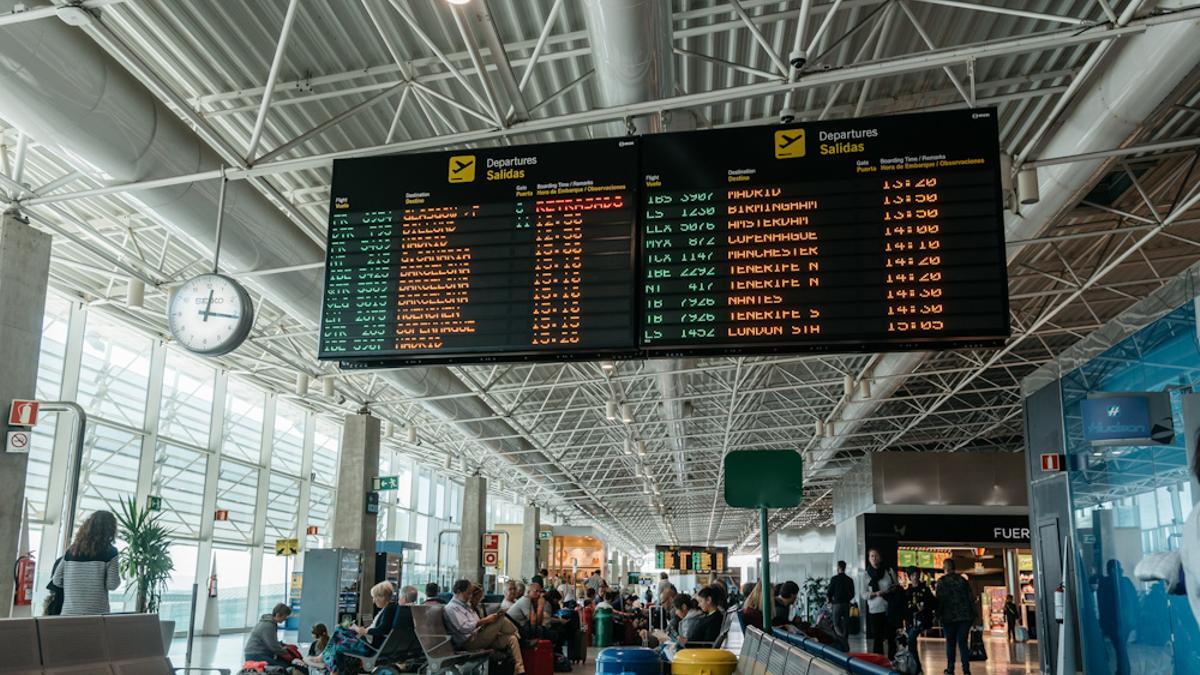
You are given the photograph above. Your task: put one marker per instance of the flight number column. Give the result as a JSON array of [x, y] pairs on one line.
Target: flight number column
[[914, 258], [681, 288], [358, 290]]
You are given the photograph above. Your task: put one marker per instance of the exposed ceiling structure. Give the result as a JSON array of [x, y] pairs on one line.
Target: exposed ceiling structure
[[121, 117]]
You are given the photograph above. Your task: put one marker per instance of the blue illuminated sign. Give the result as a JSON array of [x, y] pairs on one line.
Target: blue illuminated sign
[[1116, 418]]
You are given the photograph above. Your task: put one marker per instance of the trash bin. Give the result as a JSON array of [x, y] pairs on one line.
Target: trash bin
[[703, 662], [628, 661], [604, 627]]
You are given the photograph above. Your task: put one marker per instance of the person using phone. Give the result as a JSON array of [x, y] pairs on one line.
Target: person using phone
[[470, 633]]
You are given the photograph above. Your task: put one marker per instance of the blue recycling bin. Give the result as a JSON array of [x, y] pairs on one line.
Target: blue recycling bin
[[628, 661]]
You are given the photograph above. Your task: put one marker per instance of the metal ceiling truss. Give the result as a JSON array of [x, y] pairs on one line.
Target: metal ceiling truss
[[514, 72]]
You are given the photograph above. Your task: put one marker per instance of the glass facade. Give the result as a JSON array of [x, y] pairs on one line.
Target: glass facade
[[164, 423], [1131, 501]]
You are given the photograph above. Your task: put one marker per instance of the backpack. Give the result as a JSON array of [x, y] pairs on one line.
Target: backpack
[[975, 648], [905, 662], [561, 663]]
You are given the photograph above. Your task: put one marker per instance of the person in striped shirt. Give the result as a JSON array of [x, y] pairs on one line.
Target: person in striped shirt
[[90, 568]]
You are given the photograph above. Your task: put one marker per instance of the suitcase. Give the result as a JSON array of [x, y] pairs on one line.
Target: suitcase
[[577, 647], [1021, 633], [539, 658], [975, 645]]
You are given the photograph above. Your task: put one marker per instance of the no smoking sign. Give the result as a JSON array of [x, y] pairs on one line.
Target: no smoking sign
[[18, 442]]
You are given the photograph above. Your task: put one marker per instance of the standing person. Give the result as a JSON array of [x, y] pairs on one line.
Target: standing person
[[1011, 616], [594, 582], [957, 614], [881, 586], [90, 568], [468, 632], [840, 594], [663, 584]]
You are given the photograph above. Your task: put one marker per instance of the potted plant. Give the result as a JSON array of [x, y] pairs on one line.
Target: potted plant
[[146, 559]]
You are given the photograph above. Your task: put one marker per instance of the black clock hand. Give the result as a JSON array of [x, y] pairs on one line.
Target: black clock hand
[[223, 316], [207, 307]]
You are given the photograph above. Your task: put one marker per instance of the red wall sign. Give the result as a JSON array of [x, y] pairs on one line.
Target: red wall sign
[[1052, 462], [221, 514], [22, 413], [312, 529]]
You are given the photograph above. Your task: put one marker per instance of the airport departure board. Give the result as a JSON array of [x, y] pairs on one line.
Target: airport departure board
[[691, 559], [476, 255], [871, 233], [880, 233]]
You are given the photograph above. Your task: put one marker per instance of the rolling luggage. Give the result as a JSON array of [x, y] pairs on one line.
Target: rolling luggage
[[577, 647], [1021, 633], [538, 658], [975, 645]]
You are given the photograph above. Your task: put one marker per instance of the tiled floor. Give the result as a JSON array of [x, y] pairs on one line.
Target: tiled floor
[[1004, 658]]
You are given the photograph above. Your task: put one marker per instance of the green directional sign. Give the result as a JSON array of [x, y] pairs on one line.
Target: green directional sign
[[387, 483], [154, 503], [764, 479]]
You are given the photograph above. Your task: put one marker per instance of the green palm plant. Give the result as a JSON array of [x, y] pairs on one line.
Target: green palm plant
[[146, 560]]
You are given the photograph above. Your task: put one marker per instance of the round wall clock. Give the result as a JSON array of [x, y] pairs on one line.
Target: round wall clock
[[211, 314]]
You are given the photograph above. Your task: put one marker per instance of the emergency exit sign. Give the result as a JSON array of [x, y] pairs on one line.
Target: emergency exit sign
[[387, 483]]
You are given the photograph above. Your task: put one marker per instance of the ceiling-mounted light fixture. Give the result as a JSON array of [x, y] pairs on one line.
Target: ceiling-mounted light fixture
[[608, 366], [412, 434], [829, 430], [449, 461], [848, 385], [641, 448], [458, 2], [864, 388], [611, 411], [1027, 186], [327, 387], [819, 428], [626, 413], [301, 384], [135, 294]]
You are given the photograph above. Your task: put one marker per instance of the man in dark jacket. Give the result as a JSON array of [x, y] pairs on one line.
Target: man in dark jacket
[[957, 612], [840, 594]]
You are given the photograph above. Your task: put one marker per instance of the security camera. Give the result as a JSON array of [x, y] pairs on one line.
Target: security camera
[[798, 58], [786, 116]]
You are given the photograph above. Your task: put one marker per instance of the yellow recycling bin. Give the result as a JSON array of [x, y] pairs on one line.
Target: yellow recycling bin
[[703, 662]]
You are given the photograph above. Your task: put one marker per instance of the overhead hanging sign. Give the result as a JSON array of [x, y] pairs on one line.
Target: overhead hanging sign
[[862, 234]]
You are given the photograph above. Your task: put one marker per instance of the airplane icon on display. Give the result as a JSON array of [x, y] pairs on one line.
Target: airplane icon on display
[[462, 169], [789, 143]]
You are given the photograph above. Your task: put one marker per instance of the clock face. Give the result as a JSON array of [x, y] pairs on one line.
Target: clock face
[[210, 314]]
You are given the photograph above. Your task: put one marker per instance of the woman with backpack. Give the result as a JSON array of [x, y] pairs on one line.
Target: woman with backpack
[[90, 568]]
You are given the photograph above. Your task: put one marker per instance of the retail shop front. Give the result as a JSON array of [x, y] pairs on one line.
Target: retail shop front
[[992, 551]]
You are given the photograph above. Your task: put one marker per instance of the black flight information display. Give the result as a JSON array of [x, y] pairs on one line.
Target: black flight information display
[[474, 255], [869, 233], [881, 233]]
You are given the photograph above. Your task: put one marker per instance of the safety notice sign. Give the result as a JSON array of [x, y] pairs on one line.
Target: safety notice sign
[[18, 442]]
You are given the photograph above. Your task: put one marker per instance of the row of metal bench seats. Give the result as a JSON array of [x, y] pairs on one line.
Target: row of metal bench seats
[[114, 644], [787, 654]]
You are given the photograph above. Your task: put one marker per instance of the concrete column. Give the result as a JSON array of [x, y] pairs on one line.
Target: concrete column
[[474, 521], [530, 525], [352, 526], [24, 271]]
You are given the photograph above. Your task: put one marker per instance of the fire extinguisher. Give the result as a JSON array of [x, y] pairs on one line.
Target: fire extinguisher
[[212, 586], [23, 573], [1060, 598]]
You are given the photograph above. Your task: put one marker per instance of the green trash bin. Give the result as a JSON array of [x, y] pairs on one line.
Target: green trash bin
[[604, 627]]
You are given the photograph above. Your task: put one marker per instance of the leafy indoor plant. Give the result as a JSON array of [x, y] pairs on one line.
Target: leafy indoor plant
[[146, 560]]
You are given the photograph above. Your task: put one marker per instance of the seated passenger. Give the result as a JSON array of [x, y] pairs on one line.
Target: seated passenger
[[511, 593], [431, 594], [408, 595], [781, 615], [262, 644], [528, 612], [705, 629], [752, 606], [468, 632], [476, 600], [320, 636], [377, 632]]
